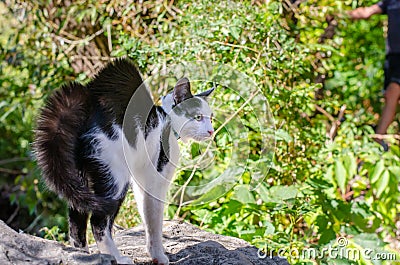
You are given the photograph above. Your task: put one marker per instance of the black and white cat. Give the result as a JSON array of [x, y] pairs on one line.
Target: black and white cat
[[92, 142]]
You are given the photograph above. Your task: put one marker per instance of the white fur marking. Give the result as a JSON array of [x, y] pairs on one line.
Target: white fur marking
[[111, 154]]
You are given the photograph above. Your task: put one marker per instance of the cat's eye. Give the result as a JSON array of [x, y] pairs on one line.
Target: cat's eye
[[198, 117]]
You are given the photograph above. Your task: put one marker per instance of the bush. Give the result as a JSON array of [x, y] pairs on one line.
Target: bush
[[320, 72]]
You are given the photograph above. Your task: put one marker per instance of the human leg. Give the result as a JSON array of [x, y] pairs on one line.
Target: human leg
[[392, 97]]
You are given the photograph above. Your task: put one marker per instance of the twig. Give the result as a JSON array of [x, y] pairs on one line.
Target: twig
[[385, 136], [12, 171], [177, 10], [329, 116], [236, 112], [233, 45], [259, 54], [12, 216], [110, 48], [202, 219], [277, 45], [12, 160], [69, 35], [118, 227], [169, 10], [292, 6], [80, 41], [33, 224], [182, 189], [101, 58], [336, 124]]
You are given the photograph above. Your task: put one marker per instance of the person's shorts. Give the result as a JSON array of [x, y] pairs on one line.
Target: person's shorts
[[392, 69]]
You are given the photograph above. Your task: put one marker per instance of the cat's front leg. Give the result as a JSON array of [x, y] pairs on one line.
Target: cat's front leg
[[154, 230], [151, 210]]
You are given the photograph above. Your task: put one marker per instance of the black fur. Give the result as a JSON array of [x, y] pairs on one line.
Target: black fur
[[64, 146], [59, 127], [115, 85], [163, 157], [62, 150], [77, 227]]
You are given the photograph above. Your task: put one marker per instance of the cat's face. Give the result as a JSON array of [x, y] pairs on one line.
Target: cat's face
[[191, 116]]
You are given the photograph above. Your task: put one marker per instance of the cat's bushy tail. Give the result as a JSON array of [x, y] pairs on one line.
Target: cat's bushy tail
[[56, 136]]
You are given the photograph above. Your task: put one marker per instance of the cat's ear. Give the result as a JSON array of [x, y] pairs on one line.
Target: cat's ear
[[182, 90], [205, 93]]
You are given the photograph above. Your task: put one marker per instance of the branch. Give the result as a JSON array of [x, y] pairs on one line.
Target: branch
[[182, 189], [12, 171], [12, 160], [79, 41], [233, 45], [385, 136], [329, 116], [336, 124]]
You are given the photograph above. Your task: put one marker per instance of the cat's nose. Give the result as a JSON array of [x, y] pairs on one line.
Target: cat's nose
[[210, 132]]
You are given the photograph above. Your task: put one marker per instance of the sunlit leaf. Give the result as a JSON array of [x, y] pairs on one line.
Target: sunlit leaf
[[340, 175], [382, 183], [243, 194], [380, 166]]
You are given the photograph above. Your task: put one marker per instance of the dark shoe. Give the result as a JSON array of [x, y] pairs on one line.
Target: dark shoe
[[382, 143], [385, 146]]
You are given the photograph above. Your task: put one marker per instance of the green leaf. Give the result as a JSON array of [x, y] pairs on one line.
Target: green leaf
[[339, 261], [283, 135], [277, 194], [326, 236], [269, 228], [283, 192], [204, 215], [360, 215], [195, 150], [380, 166], [350, 164], [382, 183], [212, 194], [243, 194], [395, 171], [263, 192], [340, 175], [235, 32], [368, 240], [232, 207]]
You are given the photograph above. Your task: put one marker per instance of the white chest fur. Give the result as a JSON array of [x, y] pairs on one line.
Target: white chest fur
[[138, 163]]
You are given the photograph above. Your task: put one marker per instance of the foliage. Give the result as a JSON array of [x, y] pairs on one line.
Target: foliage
[[324, 183], [27, 74], [54, 233]]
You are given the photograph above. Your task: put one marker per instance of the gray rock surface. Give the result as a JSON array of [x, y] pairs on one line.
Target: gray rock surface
[[185, 245]]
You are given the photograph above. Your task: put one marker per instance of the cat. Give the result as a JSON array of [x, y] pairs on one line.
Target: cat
[[92, 143]]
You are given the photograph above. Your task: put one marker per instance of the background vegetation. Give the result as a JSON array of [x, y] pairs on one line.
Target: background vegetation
[[322, 75]]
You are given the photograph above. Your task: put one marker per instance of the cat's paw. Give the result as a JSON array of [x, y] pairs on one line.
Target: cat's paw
[[124, 260], [157, 255], [160, 259]]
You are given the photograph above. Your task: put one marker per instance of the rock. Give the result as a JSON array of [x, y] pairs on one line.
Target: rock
[[185, 245]]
